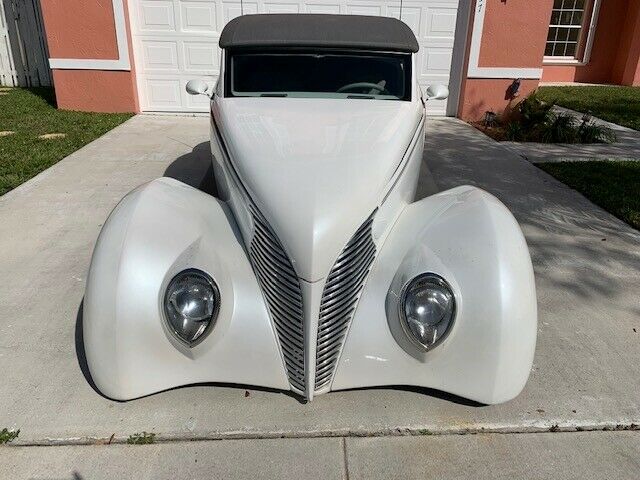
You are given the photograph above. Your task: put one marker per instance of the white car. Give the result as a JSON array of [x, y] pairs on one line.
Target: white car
[[314, 269]]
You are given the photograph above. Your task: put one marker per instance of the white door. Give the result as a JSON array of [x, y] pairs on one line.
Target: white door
[[177, 40]]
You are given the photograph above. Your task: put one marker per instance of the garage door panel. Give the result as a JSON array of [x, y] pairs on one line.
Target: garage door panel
[[162, 93], [201, 57], [412, 16], [441, 21], [198, 17], [232, 10], [177, 40], [160, 56], [436, 107], [274, 7], [156, 15], [435, 61], [331, 9], [374, 10]]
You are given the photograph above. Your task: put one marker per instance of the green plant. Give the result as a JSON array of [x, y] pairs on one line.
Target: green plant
[[7, 436], [514, 131], [533, 112], [560, 128], [143, 438], [591, 132]]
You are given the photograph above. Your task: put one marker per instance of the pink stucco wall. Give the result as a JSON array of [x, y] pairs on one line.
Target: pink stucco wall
[[489, 94], [514, 33], [514, 36], [85, 29], [626, 70], [80, 28], [94, 90]]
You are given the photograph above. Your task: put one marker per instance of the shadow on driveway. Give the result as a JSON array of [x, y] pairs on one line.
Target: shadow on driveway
[[195, 169]]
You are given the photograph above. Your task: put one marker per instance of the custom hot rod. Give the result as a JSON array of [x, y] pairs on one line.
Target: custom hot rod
[[313, 269]]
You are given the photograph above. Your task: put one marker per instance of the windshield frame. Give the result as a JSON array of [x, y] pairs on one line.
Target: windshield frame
[[228, 72]]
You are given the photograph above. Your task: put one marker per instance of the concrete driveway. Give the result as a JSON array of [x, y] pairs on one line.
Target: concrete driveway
[[586, 374]]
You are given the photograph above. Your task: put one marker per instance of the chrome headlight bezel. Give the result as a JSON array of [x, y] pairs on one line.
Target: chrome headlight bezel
[[205, 279], [439, 281]]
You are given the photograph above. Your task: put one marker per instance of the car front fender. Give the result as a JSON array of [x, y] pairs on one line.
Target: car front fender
[[155, 232], [471, 239]]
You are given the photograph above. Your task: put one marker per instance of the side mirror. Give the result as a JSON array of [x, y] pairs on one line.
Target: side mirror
[[198, 87], [437, 92]]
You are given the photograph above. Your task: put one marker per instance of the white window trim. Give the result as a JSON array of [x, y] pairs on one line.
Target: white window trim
[[475, 71], [586, 57], [121, 63]]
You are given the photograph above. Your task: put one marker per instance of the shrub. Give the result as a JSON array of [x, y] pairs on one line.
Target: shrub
[[513, 131], [560, 128], [533, 111], [593, 133], [534, 121]]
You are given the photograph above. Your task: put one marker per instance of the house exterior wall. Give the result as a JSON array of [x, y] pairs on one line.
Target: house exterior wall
[[504, 56], [614, 32], [515, 33], [80, 29], [95, 90], [626, 70], [506, 43], [86, 30]]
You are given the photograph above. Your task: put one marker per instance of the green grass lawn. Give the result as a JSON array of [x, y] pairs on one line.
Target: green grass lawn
[[30, 113], [613, 185], [619, 105]]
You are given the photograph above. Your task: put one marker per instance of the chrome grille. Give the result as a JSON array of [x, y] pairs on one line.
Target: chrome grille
[[281, 289], [340, 298]]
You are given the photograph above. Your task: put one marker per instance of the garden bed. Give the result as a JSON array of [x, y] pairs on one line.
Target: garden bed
[[535, 120]]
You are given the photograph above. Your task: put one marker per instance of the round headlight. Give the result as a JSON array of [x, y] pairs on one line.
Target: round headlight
[[427, 309], [191, 305]]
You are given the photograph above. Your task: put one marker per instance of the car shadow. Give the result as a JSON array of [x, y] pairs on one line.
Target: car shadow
[[195, 169]]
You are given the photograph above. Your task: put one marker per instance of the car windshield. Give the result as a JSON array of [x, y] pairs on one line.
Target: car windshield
[[319, 74]]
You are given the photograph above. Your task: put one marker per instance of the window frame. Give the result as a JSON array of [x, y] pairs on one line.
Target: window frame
[[585, 39]]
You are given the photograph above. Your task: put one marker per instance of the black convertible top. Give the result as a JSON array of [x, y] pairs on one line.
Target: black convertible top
[[319, 30]]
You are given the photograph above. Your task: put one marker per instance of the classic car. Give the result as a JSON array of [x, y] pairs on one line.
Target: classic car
[[313, 269]]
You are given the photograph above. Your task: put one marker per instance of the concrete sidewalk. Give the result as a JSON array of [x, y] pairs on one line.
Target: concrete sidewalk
[[587, 367], [542, 456]]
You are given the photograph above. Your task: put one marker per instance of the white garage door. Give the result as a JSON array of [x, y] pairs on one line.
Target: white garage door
[[177, 40]]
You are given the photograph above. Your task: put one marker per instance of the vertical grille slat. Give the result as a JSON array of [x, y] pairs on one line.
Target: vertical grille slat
[[339, 300], [281, 289]]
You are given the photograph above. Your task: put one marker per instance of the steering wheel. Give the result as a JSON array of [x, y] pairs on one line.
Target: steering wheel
[[374, 86]]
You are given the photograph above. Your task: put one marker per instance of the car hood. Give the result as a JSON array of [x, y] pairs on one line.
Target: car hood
[[316, 168]]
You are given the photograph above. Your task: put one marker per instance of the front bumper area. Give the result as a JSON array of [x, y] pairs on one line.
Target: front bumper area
[[164, 227]]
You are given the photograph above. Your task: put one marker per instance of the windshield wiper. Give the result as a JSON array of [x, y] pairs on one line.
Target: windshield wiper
[[274, 94], [362, 96]]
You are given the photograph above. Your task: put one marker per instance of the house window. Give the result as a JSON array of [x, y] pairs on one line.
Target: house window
[[567, 29]]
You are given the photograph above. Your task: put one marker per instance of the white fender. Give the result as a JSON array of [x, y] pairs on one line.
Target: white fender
[[470, 238], [155, 232]]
